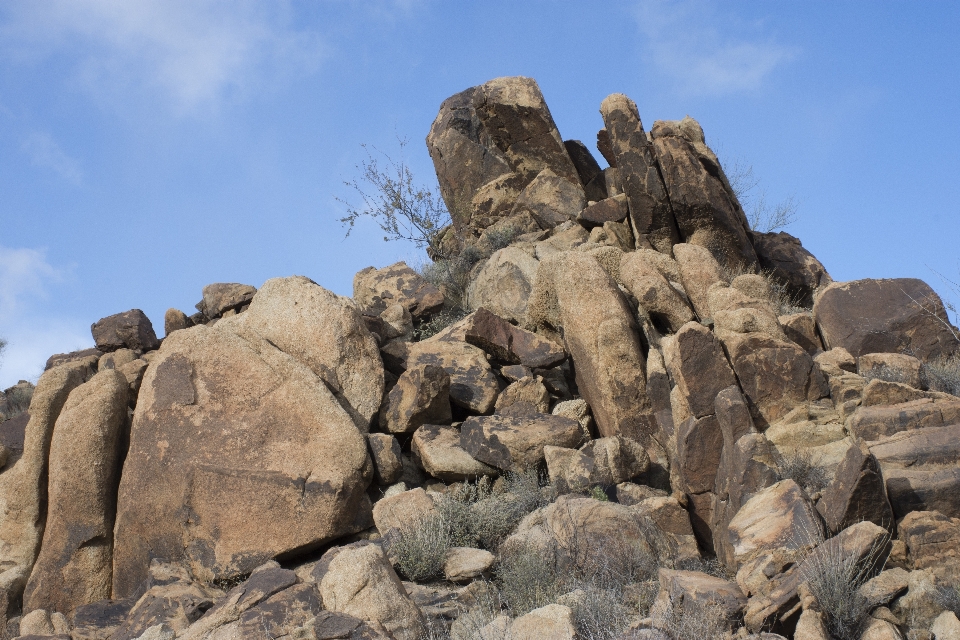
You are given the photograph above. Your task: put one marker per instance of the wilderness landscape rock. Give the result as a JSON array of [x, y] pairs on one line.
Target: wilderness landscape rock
[[610, 410]]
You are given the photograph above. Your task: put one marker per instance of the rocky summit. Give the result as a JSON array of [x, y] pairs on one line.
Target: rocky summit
[[617, 411]]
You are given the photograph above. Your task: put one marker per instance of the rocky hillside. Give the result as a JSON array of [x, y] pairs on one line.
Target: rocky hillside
[[652, 423]]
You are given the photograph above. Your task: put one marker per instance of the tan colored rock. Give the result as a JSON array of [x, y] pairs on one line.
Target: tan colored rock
[[323, 331], [174, 602], [37, 623], [873, 423], [220, 297], [880, 392], [386, 456], [116, 359], [175, 320], [358, 580], [421, 396], [649, 205], [946, 626], [226, 427], [566, 237], [616, 459], [630, 493], [464, 563], [438, 448], [551, 199], [525, 395], [802, 329], [473, 384], [378, 289], [575, 468], [775, 375], [601, 337], [811, 626], [504, 283], [780, 516], [876, 629], [666, 306], [884, 316], [892, 367], [884, 587], [516, 442], [699, 367], [671, 518], [836, 360], [699, 271], [552, 622], [402, 510], [397, 323], [74, 566], [734, 312], [23, 485], [706, 210], [933, 543], [694, 588]]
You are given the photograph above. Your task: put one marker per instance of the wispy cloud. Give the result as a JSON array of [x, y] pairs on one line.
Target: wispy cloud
[[24, 274], [44, 152], [32, 342], [195, 53], [704, 52]]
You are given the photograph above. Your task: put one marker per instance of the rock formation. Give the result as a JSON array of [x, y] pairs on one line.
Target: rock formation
[[670, 425]]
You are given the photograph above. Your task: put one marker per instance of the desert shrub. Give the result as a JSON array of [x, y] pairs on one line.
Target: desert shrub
[[527, 578], [943, 375], [783, 302], [15, 401], [497, 239], [709, 566], [761, 216], [420, 548], [694, 621], [438, 322], [489, 604], [600, 613], [451, 276], [886, 373], [597, 493], [834, 577], [800, 468]]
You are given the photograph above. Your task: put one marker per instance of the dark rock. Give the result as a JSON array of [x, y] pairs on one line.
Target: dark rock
[[650, 210], [421, 396], [175, 320], [589, 171], [516, 442], [605, 147], [220, 297], [612, 209], [705, 208], [131, 329], [386, 455], [788, 262], [884, 316], [99, 620], [60, 358], [699, 367], [473, 385], [508, 343], [178, 604], [282, 613], [550, 200], [857, 493]]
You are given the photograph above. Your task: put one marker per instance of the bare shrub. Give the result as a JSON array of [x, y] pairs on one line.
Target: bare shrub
[[496, 239], [600, 613], [528, 578], [800, 468], [710, 566], [488, 607], [942, 374], [694, 621], [783, 302], [834, 576], [761, 216], [421, 548]]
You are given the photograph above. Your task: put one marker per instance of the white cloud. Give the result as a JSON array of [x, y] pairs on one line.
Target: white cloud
[[44, 152], [24, 274], [196, 53], [31, 343], [695, 46]]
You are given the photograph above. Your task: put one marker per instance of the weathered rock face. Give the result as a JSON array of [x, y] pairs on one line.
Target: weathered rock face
[[667, 307], [504, 283], [550, 200], [131, 329], [377, 289], [884, 316], [699, 271], [507, 343], [74, 566], [516, 442], [358, 580], [787, 260], [175, 320], [324, 332], [591, 176], [933, 543], [473, 384], [220, 297], [488, 143], [706, 210], [601, 336], [401, 510], [23, 490], [650, 212], [438, 448], [421, 396], [857, 493], [386, 455], [226, 427]]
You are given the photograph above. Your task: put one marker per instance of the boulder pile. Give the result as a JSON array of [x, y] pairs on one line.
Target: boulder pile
[[653, 422]]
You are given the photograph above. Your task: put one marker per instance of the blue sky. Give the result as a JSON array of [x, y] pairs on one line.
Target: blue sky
[[148, 148]]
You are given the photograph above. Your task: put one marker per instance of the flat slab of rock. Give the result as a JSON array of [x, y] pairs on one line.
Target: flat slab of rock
[[420, 396], [884, 316], [876, 422], [508, 343], [441, 455], [516, 442], [607, 210], [130, 329], [221, 297], [464, 563], [377, 289]]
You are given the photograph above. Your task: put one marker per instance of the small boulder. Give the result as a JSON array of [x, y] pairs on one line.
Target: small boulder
[[473, 385], [527, 395], [385, 452], [377, 289], [421, 396], [507, 343], [401, 510], [131, 329], [933, 543], [607, 210], [464, 563], [516, 442], [699, 271], [175, 320], [504, 283], [551, 199], [857, 493], [439, 451], [552, 622], [220, 297], [786, 259]]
